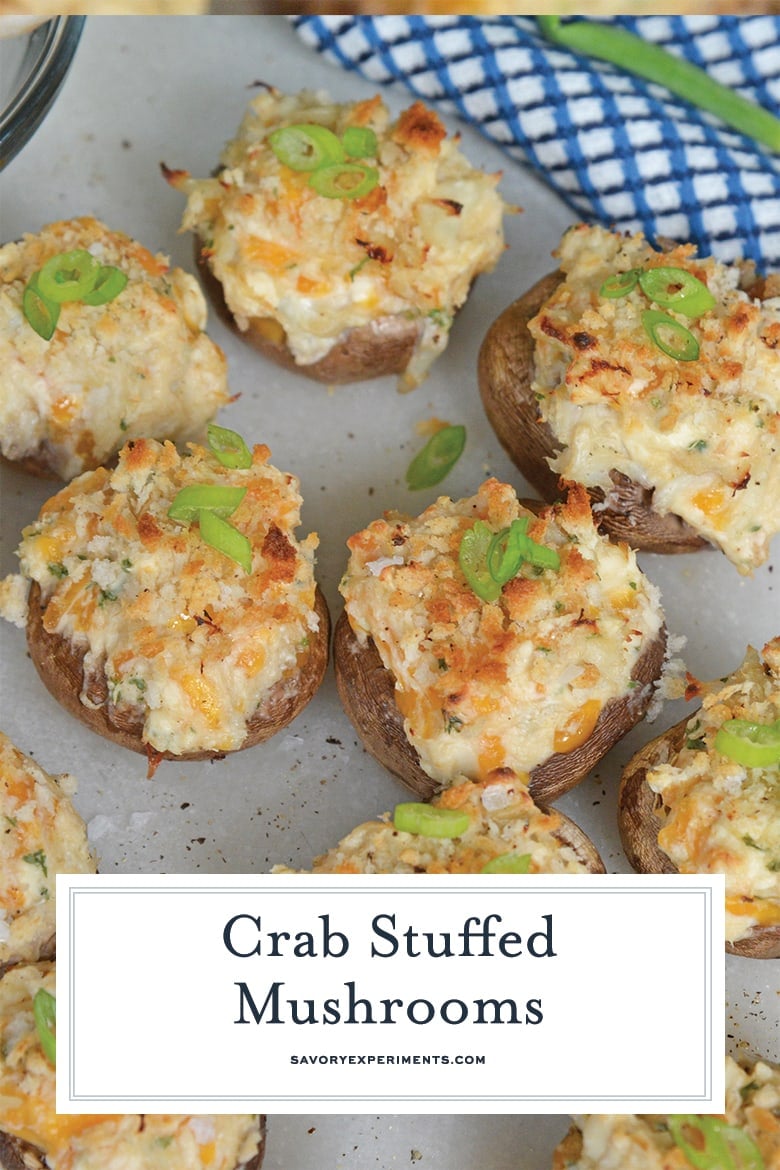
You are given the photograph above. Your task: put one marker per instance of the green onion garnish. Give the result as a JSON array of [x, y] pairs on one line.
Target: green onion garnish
[[45, 1016], [317, 151], [39, 312], [536, 554], [670, 336], [488, 560], [472, 558], [305, 146], [211, 497], [436, 459], [68, 276], [754, 745], [678, 289], [688, 81], [504, 557], [360, 142], [425, 821], [620, 284], [228, 447], [226, 539], [508, 863], [344, 180], [709, 1143], [109, 284]]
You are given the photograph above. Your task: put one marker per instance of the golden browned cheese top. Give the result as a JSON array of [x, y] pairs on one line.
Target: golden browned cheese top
[[506, 684]]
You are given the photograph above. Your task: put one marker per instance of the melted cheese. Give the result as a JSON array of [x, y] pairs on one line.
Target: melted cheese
[[643, 1142], [41, 835], [103, 1142], [502, 819], [139, 365], [702, 434], [718, 816], [488, 686], [172, 627], [317, 266]]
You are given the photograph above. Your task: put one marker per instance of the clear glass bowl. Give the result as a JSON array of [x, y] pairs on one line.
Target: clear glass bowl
[[33, 66]]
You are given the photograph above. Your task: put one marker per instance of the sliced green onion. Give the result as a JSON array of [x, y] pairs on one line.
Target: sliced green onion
[[109, 284], [426, 821], [620, 284], [508, 863], [488, 560], [68, 276], [212, 497], [436, 459], [226, 539], [344, 180], [678, 289], [360, 142], [228, 447], [709, 1143], [39, 312], [45, 1016], [688, 81], [306, 146], [754, 745], [536, 554], [670, 336], [504, 557], [472, 558]]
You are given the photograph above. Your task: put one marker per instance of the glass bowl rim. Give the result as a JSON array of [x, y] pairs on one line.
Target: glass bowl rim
[[26, 110]]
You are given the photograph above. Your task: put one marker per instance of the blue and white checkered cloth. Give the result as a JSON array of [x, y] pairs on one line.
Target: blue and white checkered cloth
[[618, 149]]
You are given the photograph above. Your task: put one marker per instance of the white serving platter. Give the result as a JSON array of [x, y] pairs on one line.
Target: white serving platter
[[146, 90]]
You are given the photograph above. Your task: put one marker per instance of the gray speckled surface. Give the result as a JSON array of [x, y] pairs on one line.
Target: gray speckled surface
[[142, 91]]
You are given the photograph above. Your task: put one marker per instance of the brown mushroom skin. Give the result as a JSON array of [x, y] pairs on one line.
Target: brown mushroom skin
[[16, 1154], [569, 833], [382, 347], [60, 663], [639, 824], [367, 691], [505, 372]]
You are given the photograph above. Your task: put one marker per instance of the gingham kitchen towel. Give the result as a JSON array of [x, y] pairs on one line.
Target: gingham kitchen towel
[[618, 149]]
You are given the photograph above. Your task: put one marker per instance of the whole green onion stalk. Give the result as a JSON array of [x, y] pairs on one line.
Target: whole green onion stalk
[[622, 48]]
